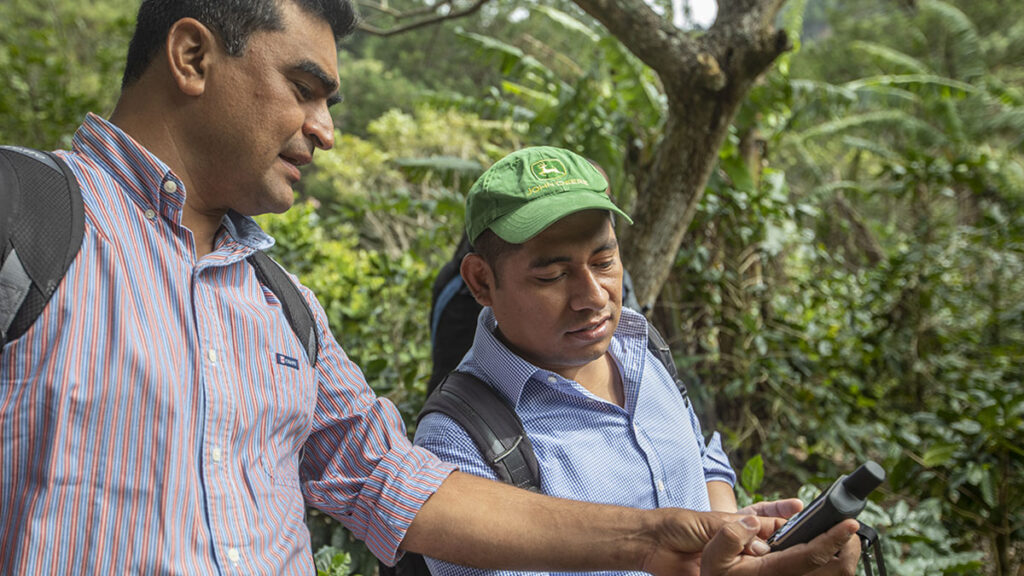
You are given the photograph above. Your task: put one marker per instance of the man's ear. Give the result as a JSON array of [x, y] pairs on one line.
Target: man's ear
[[190, 48], [479, 277]]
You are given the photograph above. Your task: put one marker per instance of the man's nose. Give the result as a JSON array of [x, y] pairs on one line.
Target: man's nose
[[588, 293], [320, 127]]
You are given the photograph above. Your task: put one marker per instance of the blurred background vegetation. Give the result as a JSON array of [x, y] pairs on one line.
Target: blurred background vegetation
[[850, 287]]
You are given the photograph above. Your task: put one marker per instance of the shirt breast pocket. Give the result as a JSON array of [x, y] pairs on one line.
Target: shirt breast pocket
[[295, 395]]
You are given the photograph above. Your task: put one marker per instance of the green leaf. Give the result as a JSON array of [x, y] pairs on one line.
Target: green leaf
[[938, 455], [753, 474], [331, 561], [533, 97], [894, 57], [738, 172], [567, 22], [969, 427], [890, 118], [911, 79]]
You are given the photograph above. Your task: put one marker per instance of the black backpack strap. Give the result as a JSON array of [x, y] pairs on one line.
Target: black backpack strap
[[42, 224], [296, 309], [454, 284], [491, 423], [41, 233], [659, 347]]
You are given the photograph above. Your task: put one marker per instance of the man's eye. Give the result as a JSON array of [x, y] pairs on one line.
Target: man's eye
[[549, 280], [304, 92]]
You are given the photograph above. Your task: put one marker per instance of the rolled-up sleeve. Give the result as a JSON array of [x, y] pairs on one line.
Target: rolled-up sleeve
[[713, 456], [359, 465], [716, 462]]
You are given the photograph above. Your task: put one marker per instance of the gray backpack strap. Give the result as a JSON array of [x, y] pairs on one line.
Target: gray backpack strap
[[495, 429], [491, 423], [659, 347], [296, 309], [41, 231]]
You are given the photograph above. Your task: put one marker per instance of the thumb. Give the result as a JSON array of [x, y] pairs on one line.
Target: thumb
[[804, 558], [728, 543]]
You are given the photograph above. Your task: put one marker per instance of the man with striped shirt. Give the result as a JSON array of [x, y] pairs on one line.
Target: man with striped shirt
[[151, 420]]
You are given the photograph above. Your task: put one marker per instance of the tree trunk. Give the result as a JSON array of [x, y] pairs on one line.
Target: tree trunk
[[706, 78]]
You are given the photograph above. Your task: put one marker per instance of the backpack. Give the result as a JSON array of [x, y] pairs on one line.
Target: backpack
[[42, 222], [498, 432], [453, 314]]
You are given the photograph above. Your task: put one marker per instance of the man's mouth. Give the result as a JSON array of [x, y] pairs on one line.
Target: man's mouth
[[595, 330], [293, 163]]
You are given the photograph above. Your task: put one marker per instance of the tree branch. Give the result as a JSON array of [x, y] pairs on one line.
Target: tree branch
[[422, 22], [761, 12], [674, 54], [383, 8]]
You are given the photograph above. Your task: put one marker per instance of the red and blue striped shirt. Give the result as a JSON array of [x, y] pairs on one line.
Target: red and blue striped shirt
[[152, 419]]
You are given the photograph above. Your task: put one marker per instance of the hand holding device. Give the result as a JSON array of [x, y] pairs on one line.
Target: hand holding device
[[844, 499]]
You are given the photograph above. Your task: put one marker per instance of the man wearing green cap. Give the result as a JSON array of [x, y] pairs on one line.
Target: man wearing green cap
[[604, 417]]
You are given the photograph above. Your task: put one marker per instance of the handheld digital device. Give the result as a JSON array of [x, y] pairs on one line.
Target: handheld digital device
[[844, 499]]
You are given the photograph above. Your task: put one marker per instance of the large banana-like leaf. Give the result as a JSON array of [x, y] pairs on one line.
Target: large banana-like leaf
[[892, 119], [893, 58], [567, 22], [510, 56], [911, 80], [966, 52]]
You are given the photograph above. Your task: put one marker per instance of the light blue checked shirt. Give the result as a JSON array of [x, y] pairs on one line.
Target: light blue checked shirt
[[650, 454]]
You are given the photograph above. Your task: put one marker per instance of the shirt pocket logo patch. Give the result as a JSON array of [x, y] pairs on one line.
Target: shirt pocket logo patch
[[288, 361]]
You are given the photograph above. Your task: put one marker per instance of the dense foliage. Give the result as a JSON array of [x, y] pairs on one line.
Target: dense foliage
[[849, 288]]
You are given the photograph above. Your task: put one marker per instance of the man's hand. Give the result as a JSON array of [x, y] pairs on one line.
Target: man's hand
[[833, 553], [775, 508], [719, 544], [848, 556]]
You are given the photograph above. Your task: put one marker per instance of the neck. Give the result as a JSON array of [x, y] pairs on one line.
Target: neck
[[600, 378], [150, 123], [203, 227]]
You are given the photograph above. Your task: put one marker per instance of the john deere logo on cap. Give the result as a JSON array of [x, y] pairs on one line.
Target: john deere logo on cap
[[549, 169]]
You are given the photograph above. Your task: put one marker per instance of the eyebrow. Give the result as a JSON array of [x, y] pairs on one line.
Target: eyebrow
[[327, 83], [543, 261]]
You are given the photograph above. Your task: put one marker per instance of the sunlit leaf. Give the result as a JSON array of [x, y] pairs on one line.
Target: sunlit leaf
[[753, 474]]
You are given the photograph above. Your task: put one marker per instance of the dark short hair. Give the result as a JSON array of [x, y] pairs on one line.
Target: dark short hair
[[234, 21], [491, 248]]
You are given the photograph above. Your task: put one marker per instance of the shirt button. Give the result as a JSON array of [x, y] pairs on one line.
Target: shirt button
[[150, 214], [211, 355], [233, 555], [661, 486], [552, 380], [170, 187], [216, 453]]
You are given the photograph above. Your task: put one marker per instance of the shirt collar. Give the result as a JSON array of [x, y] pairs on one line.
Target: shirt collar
[[149, 182], [499, 366], [629, 348], [508, 373], [246, 231]]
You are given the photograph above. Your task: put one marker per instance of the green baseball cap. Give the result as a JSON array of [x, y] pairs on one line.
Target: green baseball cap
[[530, 189]]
